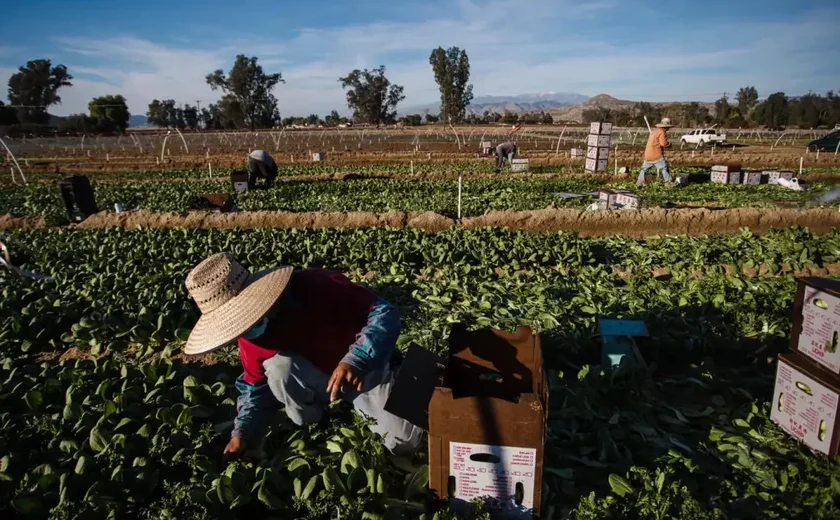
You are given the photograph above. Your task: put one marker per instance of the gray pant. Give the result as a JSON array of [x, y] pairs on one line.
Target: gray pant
[[302, 388]]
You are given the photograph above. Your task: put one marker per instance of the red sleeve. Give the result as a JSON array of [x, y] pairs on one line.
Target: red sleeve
[[252, 357]]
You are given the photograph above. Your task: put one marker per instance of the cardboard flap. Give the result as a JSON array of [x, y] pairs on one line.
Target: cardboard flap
[[420, 372]]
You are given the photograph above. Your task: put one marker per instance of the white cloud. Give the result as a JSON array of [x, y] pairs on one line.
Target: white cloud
[[557, 50]]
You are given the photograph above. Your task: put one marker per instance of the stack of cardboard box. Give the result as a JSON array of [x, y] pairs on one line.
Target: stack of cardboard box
[[773, 176], [806, 395], [598, 150]]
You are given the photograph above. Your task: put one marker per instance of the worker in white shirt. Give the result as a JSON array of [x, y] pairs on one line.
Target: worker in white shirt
[[261, 166]]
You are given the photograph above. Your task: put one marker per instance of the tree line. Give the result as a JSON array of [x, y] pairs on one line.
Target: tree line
[[248, 101], [744, 111]]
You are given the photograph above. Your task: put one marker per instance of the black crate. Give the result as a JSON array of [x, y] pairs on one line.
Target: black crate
[[78, 197]]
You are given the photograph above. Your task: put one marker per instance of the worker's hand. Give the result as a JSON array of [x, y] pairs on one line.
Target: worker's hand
[[343, 373], [235, 447]]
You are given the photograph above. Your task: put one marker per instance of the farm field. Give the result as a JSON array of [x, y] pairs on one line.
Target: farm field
[[101, 416], [686, 436]]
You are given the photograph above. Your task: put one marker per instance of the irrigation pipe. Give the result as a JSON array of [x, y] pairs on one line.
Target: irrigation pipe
[[15, 161]]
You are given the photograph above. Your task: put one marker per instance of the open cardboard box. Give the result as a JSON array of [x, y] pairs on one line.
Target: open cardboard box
[[485, 408]]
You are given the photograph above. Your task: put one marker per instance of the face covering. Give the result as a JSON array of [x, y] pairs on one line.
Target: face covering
[[257, 330]]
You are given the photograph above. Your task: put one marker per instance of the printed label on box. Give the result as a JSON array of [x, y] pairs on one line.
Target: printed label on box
[[599, 140], [591, 164], [820, 328], [804, 408], [493, 473], [602, 164]]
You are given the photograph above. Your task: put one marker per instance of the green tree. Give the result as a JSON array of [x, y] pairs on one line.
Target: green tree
[[431, 118], [313, 120], [190, 114], [334, 119], [747, 99], [547, 119], [722, 110], [509, 118], [252, 89], [371, 96], [161, 113], [34, 88], [642, 109], [774, 111], [211, 117], [412, 120], [78, 124], [110, 112], [8, 116], [451, 68]]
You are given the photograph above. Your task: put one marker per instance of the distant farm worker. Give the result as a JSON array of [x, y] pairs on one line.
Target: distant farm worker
[[655, 152], [306, 338], [506, 150], [261, 166]]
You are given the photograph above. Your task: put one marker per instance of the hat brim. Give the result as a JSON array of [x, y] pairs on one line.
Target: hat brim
[[221, 326], [660, 125]]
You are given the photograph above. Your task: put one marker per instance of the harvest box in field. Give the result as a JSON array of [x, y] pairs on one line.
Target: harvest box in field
[[816, 321], [239, 179], [753, 178], [577, 152], [773, 176], [805, 403], [600, 128], [519, 165], [599, 140], [722, 177], [485, 409], [596, 165], [597, 153], [317, 156], [618, 199]]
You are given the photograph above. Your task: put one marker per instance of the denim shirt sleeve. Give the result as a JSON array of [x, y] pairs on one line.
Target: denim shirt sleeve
[[375, 343], [253, 407]]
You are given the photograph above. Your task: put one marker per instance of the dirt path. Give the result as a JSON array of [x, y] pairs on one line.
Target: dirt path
[[632, 223]]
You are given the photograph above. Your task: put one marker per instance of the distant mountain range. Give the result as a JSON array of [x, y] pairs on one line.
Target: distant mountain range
[[519, 103]]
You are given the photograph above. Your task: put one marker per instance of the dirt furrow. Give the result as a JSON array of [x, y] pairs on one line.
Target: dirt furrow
[[641, 223]]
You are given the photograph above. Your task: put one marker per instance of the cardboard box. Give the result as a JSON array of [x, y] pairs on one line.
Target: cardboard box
[[726, 168], [600, 128], [486, 412], [599, 140], [485, 147], [596, 165], [773, 176], [239, 179], [617, 340], [578, 152], [597, 153], [317, 156], [805, 403], [753, 178], [519, 165], [627, 201], [816, 321], [721, 177]]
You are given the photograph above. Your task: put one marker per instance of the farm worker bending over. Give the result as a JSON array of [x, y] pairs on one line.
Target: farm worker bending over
[[261, 166], [655, 151], [504, 151], [306, 338]]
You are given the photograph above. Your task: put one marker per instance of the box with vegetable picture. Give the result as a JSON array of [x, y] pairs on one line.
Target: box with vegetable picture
[[816, 322], [805, 403]]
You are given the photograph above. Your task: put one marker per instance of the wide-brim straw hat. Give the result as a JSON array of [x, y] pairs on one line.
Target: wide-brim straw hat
[[665, 123], [231, 300]]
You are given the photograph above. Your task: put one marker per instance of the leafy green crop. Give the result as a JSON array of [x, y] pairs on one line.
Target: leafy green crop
[[138, 433], [379, 195]]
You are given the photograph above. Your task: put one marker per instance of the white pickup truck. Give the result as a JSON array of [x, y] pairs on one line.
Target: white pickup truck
[[703, 137]]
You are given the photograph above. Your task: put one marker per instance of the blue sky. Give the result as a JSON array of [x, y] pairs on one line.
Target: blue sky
[[654, 51]]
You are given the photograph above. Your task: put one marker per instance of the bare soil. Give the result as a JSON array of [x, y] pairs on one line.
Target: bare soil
[[634, 223]]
